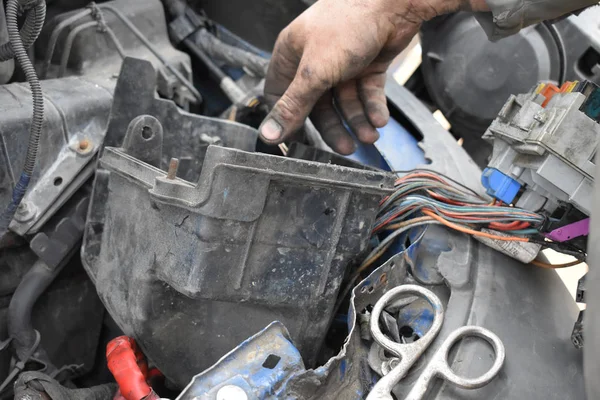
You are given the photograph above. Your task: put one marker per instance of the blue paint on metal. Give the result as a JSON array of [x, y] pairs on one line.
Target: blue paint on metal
[[421, 271], [342, 370], [414, 236], [418, 315], [245, 366], [424, 265], [396, 150]]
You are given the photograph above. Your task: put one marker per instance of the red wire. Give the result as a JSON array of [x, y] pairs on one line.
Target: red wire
[[445, 199], [513, 226]]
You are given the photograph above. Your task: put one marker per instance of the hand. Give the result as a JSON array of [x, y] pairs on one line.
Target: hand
[[339, 51]]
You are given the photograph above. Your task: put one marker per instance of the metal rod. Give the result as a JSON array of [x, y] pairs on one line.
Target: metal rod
[[115, 40], [69, 44], [54, 38], [150, 47]]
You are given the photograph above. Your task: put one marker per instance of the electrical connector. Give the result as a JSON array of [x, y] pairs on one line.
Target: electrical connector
[[499, 185]]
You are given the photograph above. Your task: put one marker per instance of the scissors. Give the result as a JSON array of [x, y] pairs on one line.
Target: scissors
[[409, 353]]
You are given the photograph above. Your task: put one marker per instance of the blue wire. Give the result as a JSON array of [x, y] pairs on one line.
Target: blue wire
[[17, 196]]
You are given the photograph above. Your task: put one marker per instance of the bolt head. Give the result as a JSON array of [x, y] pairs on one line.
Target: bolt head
[[25, 212], [23, 208]]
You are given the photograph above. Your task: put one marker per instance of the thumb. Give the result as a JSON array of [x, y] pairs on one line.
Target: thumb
[[292, 108]]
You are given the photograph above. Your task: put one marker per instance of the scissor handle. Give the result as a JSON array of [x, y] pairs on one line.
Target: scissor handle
[[407, 352], [440, 367], [404, 351]]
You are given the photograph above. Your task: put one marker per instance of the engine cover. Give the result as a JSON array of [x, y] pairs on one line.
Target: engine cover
[[192, 269]]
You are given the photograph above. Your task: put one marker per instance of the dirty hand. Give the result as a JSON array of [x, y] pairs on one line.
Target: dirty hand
[[341, 49]]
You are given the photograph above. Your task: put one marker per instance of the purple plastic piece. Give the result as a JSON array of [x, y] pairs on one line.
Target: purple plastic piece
[[571, 231]]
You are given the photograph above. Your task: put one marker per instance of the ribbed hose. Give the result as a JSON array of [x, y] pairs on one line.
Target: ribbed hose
[[37, 120], [34, 22]]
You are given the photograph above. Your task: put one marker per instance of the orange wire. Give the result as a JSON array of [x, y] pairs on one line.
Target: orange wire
[[421, 175], [473, 232], [445, 199], [555, 266]]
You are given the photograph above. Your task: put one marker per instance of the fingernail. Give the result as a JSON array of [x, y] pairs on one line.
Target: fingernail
[[271, 130]]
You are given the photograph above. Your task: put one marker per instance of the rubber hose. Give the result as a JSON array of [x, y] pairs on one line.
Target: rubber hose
[[20, 328], [34, 22], [37, 120]]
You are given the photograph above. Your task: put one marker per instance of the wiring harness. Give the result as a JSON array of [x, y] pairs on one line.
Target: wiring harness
[[424, 197], [17, 48]]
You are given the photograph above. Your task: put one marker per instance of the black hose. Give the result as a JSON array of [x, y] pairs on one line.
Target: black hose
[[34, 22], [562, 53], [37, 120], [20, 327]]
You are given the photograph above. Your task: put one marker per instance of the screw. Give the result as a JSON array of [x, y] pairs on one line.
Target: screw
[[84, 144], [173, 166]]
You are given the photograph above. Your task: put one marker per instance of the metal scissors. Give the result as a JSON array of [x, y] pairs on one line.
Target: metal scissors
[[409, 353]]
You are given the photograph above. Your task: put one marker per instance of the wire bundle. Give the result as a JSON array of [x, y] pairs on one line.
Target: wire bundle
[[424, 197], [426, 191]]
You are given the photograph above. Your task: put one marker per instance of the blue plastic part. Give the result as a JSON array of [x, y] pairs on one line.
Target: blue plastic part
[[500, 185], [396, 150]]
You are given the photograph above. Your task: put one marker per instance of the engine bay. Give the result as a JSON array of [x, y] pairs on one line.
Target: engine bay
[[152, 247]]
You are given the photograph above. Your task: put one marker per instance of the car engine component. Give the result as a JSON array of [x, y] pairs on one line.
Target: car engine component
[[229, 266], [469, 78], [51, 318], [544, 148], [75, 120], [234, 244], [544, 157]]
